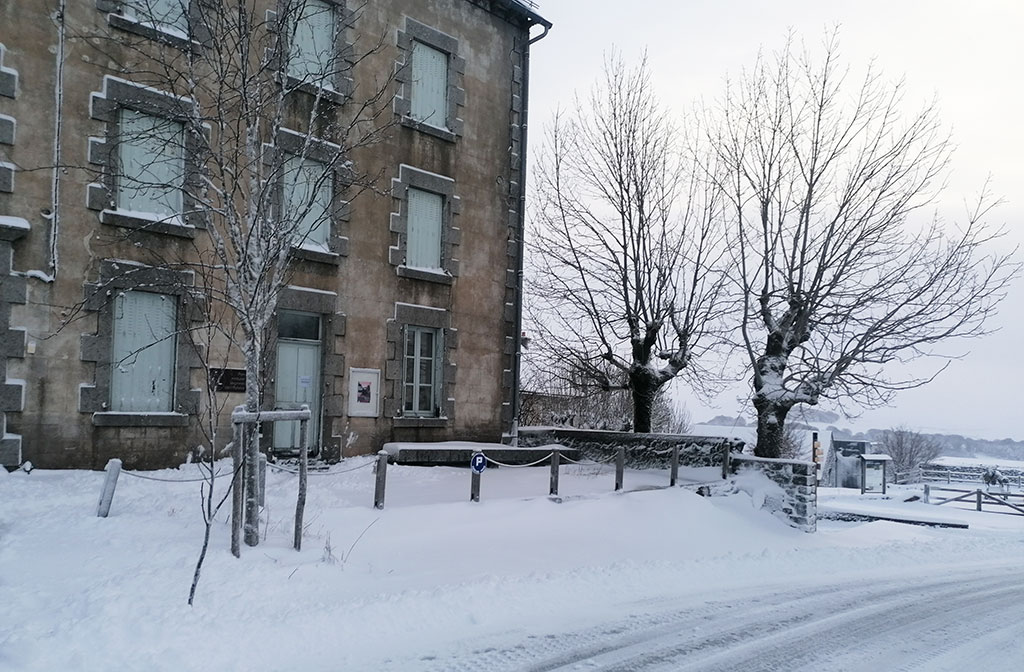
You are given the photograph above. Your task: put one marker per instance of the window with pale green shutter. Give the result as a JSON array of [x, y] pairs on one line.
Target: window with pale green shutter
[[152, 164], [423, 224], [312, 53], [421, 376], [163, 14], [307, 200], [142, 361], [429, 85]]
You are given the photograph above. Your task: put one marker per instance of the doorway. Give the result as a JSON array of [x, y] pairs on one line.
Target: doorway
[[298, 377]]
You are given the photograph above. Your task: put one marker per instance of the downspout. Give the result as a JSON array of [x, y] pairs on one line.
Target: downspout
[[520, 244]]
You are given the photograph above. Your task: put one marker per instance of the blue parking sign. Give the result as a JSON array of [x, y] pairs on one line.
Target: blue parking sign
[[478, 463]]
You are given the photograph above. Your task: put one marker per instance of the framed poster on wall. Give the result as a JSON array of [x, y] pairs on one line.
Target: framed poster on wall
[[363, 392]]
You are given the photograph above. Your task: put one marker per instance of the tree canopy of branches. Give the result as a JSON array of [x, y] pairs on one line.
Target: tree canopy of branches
[[909, 449], [823, 176], [626, 293]]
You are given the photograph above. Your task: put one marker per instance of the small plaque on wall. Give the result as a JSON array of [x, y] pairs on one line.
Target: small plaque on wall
[[228, 380], [364, 392]]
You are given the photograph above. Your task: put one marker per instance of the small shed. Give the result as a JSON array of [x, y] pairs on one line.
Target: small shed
[[873, 472]]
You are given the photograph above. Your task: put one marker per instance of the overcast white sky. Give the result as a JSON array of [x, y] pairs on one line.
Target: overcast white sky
[[968, 54]]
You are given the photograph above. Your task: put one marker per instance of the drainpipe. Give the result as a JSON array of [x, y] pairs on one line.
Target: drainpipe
[[521, 247]]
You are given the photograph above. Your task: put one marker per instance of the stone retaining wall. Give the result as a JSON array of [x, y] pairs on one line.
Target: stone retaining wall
[[641, 449], [798, 481]]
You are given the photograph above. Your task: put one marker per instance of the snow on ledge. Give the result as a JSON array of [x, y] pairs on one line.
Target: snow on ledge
[[10, 222]]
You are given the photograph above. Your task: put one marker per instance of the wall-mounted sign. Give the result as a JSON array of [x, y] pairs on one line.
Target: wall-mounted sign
[[364, 392], [228, 380]]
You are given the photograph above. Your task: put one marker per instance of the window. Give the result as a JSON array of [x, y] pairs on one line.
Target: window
[[307, 201], [312, 56], [152, 164], [143, 359], [429, 85], [425, 216], [167, 15], [421, 372]]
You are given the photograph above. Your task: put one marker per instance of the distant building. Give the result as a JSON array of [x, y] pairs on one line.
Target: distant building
[[400, 322]]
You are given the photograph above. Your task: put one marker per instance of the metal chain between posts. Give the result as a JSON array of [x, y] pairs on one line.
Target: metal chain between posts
[[319, 473], [519, 466], [170, 480]]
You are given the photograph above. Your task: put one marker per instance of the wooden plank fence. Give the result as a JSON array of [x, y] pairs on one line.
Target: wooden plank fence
[[979, 496]]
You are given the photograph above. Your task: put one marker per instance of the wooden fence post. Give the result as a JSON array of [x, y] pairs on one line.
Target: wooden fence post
[[474, 488], [109, 484], [553, 490], [673, 474], [979, 499], [382, 475], [927, 494], [300, 503], [725, 460], [620, 466]]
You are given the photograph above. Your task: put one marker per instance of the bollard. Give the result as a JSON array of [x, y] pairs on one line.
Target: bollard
[[620, 467], [474, 488], [554, 473], [382, 475], [674, 472], [113, 470]]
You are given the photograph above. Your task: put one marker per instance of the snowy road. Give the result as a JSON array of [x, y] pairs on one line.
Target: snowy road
[[955, 622]]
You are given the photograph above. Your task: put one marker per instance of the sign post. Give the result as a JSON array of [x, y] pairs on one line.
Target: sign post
[[477, 464]]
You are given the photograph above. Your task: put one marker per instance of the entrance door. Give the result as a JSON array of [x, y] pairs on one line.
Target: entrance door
[[298, 377]]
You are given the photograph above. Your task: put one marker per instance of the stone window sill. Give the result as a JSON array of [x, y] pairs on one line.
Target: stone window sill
[[421, 422], [326, 93], [438, 276], [442, 133], [119, 419], [115, 218], [318, 256], [130, 25]]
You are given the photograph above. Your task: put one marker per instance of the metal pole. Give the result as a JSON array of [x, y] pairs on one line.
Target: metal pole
[[109, 484], [262, 476], [673, 475], [474, 488], [237, 489], [620, 467], [554, 473], [382, 475]]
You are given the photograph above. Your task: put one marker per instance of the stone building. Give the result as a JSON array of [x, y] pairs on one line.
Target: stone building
[[395, 130]]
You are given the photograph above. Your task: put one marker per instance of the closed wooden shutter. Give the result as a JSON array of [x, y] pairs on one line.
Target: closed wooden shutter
[[312, 53], [307, 201], [142, 362], [423, 225], [429, 85], [152, 156]]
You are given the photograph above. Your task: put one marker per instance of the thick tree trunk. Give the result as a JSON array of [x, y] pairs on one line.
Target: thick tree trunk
[[771, 425], [644, 385]]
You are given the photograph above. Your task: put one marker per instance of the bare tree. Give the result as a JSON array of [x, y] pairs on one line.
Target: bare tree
[[909, 449], [823, 177], [625, 242]]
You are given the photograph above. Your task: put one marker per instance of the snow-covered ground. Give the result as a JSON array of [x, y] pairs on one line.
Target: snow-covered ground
[[435, 582]]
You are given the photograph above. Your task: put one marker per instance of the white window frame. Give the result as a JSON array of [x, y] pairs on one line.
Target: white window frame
[[138, 362], [412, 382], [154, 185]]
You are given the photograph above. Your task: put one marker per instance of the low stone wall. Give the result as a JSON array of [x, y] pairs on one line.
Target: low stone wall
[[641, 449], [799, 484]]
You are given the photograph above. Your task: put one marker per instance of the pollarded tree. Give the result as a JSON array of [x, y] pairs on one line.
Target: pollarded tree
[[825, 178], [625, 244]]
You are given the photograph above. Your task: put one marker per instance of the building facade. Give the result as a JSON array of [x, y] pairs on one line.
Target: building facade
[[382, 142]]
